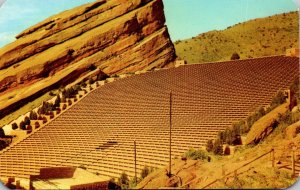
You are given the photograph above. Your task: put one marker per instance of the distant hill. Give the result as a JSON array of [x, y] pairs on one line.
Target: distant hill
[[255, 38]]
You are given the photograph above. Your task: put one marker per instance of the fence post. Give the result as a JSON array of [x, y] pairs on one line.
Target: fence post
[[235, 174], [273, 157], [293, 161]]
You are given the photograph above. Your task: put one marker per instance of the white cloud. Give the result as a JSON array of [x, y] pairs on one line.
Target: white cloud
[[11, 11], [297, 3], [6, 38], [1, 2]]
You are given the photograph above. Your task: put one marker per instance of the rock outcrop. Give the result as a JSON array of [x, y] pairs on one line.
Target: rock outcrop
[[265, 125], [293, 130], [117, 36]]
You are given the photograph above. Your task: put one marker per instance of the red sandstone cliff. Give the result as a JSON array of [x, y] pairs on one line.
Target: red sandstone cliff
[[118, 36]]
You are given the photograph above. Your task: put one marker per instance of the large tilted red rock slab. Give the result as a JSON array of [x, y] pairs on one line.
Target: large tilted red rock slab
[[118, 36]]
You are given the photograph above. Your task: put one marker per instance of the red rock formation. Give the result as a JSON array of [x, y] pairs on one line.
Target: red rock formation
[[118, 36]]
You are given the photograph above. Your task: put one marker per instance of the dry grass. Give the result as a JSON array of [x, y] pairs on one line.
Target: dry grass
[[255, 38]]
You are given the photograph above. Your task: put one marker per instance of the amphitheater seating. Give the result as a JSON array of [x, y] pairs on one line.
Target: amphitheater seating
[[206, 98]]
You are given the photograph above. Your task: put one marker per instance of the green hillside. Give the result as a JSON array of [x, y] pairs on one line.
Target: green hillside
[[255, 38]]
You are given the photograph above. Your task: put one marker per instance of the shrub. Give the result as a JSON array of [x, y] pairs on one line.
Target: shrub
[[82, 167], [58, 110], [91, 80], [29, 128], [57, 101], [14, 126], [33, 115], [36, 124], [64, 107], [27, 121], [209, 145], [48, 107], [83, 84], [77, 87], [92, 67], [261, 112], [229, 136], [235, 56], [51, 93], [63, 98], [41, 110], [124, 180], [145, 172], [286, 118], [196, 154], [69, 102], [298, 130], [278, 99], [3, 144], [221, 136], [227, 150], [2, 134], [218, 148], [44, 120], [51, 115], [22, 125]]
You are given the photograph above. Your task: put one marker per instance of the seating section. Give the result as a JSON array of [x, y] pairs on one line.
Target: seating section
[[98, 132]]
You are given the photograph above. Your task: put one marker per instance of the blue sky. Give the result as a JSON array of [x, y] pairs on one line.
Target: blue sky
[[185, 18]]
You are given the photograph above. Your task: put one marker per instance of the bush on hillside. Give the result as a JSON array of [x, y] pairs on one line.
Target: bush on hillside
[[29, 128], [77, 87], [218, 147], [45, 120], [2, 134], [41, 110], [261, 112], [298, 130], [63, 98], [64, 107], [3, 144], [145, 172], [69, 102], [91, 80], [36, 125], [278, 99], [196, 154], [124, 180], [221, 136], [14, 126], [27, 120], [227, 150], [51, 93], [209, 145], [22, 125], [57, 101], [83, 84], [33, 115], [92, 67], [235, 56]]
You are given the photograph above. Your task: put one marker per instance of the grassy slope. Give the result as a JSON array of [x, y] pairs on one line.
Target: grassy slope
[[255, 38]]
